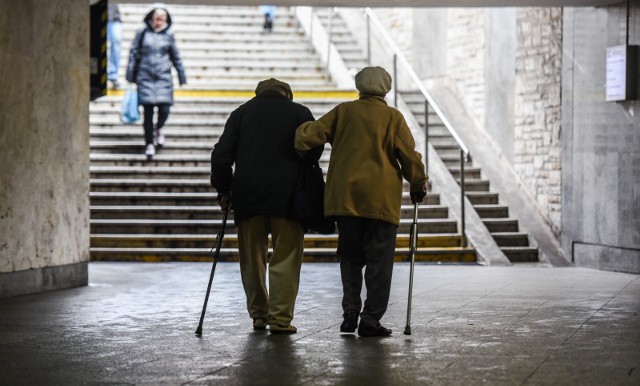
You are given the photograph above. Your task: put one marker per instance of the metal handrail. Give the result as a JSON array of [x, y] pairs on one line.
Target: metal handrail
[[415, 78], [464, 150]]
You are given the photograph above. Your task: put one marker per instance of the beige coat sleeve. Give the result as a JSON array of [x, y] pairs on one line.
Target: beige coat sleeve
[[312, 134], [411, 164]]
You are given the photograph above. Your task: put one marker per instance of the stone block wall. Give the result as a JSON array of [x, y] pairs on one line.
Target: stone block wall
[[517, 103], [538, 111]]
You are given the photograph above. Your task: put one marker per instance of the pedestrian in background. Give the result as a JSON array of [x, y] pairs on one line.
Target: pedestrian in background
[[372, 149], [269, 12], [114, 37], [258, 139], [153, 50]]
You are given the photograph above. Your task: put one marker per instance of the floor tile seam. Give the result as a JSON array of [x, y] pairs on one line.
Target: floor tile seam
[[594, 314]]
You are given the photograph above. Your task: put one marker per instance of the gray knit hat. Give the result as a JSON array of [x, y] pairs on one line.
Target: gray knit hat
[[271, 84], [373, 81]]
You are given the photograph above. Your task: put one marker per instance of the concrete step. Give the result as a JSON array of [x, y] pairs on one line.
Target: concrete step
[[194, 198], [229, 103], [138, 146], [163, 226], [150, 185], [101, 135], [471, 172], [159, 160], [201, 212], [482, 198], [311, 72], [475, 185], [511, 239], [441, 255], [521, 254], [492, 211], [231, 241], [501, 225]]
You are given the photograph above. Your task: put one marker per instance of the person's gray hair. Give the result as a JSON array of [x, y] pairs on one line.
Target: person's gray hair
[[160, 11]]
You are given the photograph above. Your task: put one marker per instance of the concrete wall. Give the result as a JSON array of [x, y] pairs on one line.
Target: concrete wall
[[504, 64], [44, 152], [600, 145]]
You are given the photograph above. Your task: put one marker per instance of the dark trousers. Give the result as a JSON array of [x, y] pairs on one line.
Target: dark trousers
[[163, 114], [366, 243]]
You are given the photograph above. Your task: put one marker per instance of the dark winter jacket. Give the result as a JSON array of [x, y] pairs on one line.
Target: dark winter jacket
[[150, 64], [258, 139]]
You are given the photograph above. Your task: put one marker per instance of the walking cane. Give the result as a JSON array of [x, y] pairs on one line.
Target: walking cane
[[213, 268], [412, 254]]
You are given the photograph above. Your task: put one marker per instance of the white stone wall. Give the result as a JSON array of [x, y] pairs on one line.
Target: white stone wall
[[465, 57], [399, 24], [537, 146]]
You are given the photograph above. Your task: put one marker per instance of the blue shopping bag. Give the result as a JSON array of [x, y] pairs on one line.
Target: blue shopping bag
[[129, 112]]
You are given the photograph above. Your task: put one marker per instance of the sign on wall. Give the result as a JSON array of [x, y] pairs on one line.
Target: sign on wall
[[622, 63]]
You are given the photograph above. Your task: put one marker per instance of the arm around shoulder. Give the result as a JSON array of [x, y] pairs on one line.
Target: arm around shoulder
[[310, 135]]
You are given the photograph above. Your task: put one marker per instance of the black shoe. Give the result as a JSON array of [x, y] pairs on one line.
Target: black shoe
[[350, 322], [366, 330]]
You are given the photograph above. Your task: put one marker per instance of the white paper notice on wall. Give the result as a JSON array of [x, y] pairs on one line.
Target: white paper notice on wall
[[616, 73]]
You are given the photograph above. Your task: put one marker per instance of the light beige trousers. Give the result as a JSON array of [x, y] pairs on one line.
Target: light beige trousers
[[277, 304]]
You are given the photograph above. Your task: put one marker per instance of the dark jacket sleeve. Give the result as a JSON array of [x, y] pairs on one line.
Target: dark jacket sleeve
[[313, 156], [223, 155], [134, 57], [177, 61]]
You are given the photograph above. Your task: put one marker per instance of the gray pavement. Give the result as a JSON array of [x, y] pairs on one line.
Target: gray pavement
[[134, 324]]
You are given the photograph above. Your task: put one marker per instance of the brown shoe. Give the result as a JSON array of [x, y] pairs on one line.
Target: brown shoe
[[260, 324], [280, 329]]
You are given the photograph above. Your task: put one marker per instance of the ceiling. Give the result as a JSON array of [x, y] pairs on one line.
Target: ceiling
[[400, 3]]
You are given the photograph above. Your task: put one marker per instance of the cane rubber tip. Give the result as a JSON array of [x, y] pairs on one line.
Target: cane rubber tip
[[199, 331], [407, 330]]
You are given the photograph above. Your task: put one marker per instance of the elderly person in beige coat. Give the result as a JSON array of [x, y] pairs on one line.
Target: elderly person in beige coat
[[372, 150]]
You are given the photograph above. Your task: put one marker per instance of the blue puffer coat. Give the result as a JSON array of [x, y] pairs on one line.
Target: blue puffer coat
[[150, 63]]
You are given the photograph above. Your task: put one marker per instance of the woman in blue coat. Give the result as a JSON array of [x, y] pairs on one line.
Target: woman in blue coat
[[153, 50]]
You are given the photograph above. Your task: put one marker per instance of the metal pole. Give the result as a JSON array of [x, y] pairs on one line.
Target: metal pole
[[413, 245], [368, 41], [426, 133], [463, 237], [395, 80]]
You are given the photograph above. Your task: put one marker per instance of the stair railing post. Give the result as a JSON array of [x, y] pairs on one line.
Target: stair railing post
[[463, 236], [395, 80], [426, 134]]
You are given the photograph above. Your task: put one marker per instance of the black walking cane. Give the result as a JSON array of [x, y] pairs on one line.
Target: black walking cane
[[213, 268], [412, 255]]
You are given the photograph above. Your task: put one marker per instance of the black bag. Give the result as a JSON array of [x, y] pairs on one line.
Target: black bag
[[308, 200]]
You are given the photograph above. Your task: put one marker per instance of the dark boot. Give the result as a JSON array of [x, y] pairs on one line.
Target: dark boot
[[366, 330], [350, 322]]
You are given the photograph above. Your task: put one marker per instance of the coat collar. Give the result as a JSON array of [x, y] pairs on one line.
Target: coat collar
[[373, 98]]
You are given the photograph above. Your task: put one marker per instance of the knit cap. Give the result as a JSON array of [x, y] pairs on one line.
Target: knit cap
[[272, 83], [373, 81]]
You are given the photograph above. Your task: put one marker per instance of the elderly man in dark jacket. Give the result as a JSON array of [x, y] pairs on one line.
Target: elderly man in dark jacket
[[153, 50], [258, 139]]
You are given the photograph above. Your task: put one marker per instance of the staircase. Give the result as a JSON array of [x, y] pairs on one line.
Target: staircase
[[165, 209], [504, 229], [495, 216]]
